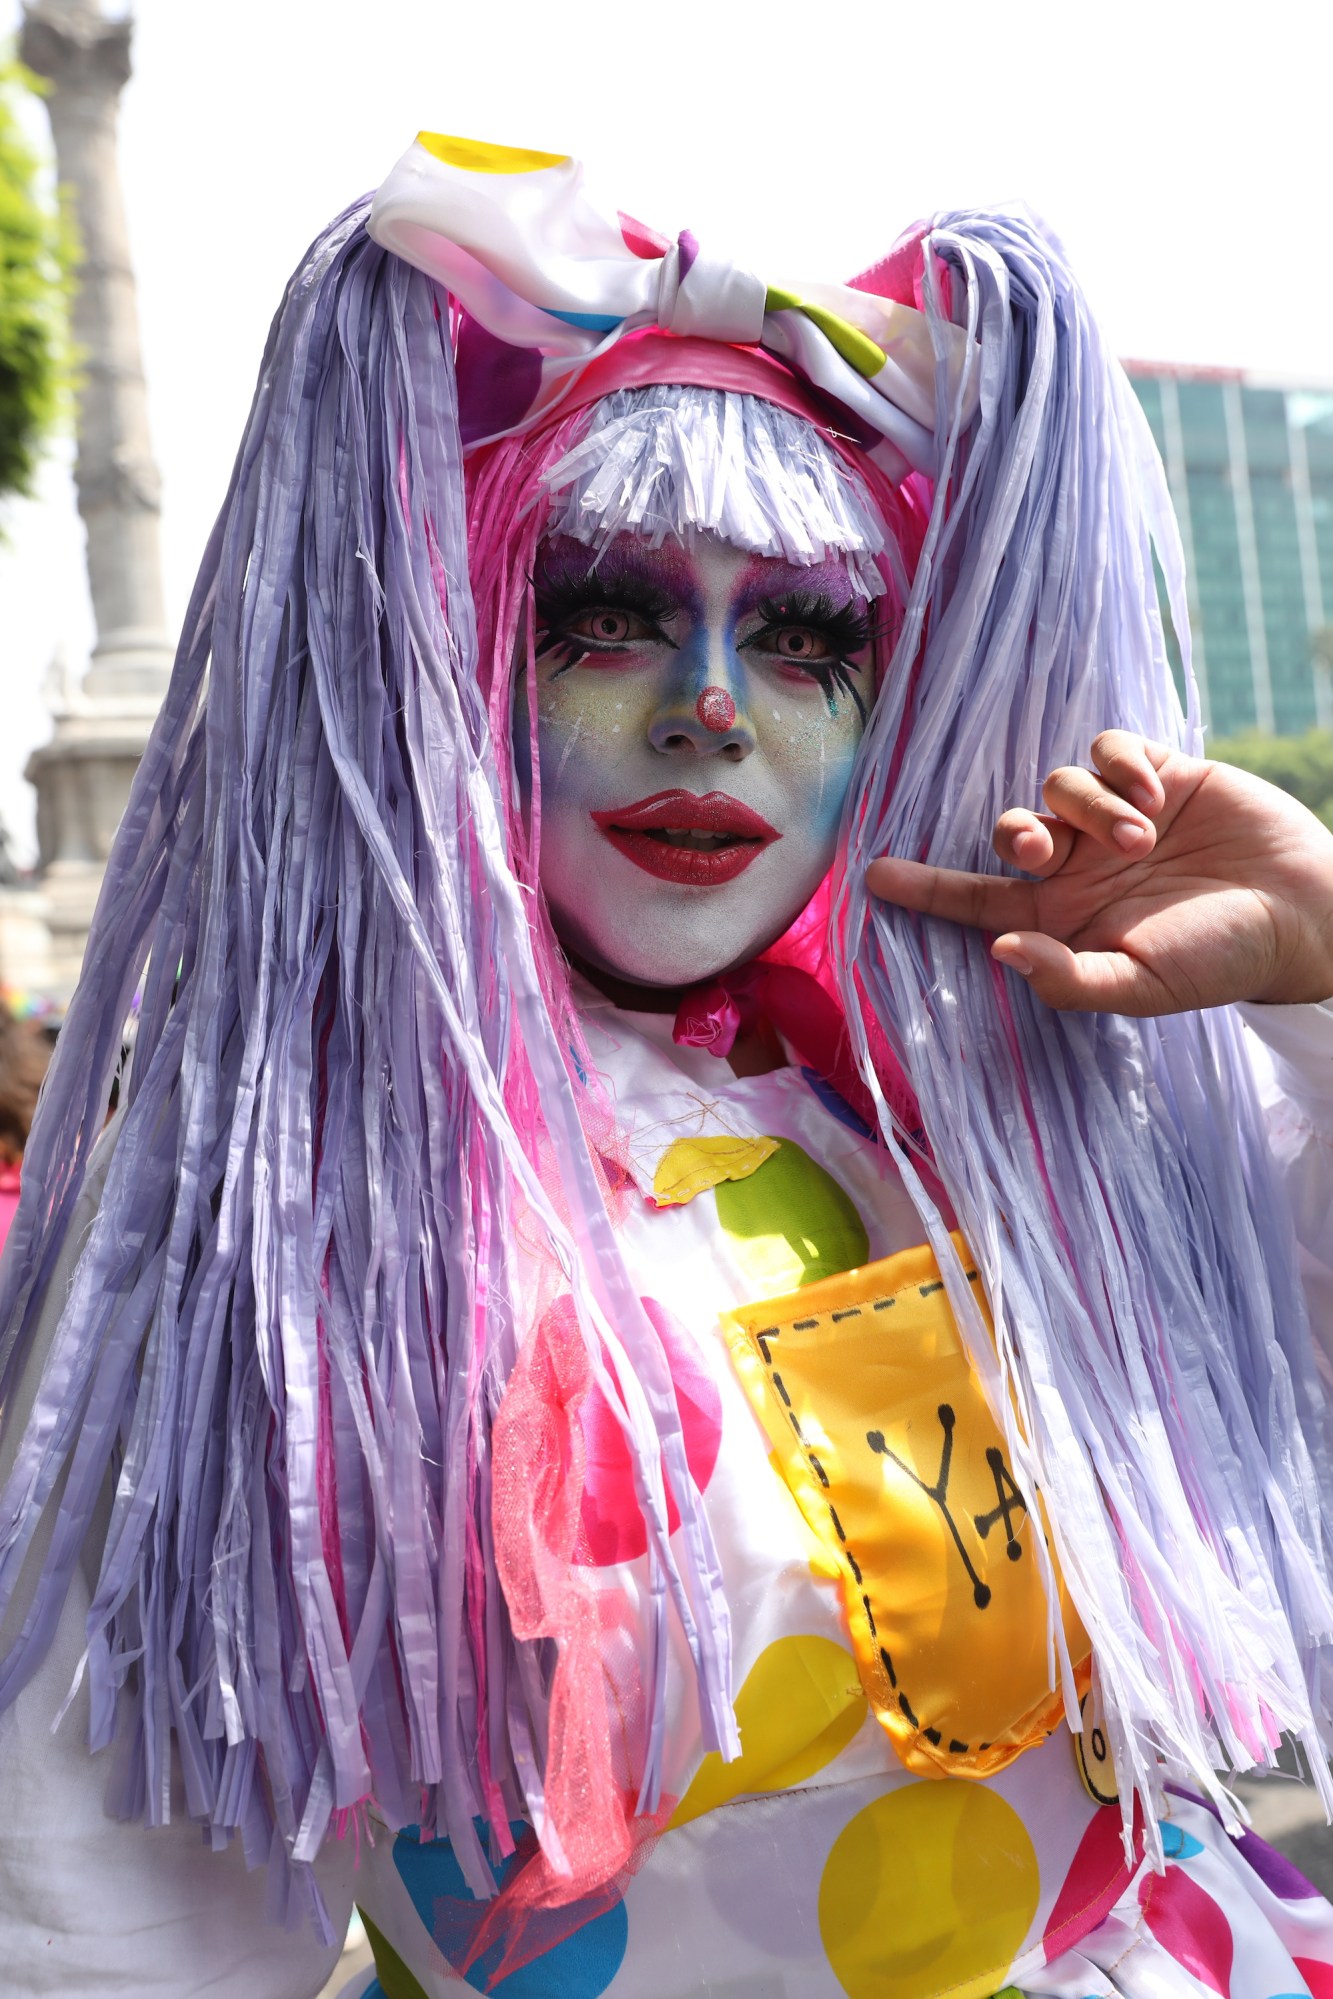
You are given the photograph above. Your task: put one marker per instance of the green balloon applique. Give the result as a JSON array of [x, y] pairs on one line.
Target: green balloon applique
[[789, 1223]]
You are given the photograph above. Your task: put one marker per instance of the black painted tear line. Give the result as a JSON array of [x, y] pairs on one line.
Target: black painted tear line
[[883, 1304], [847, 1312], [803, 1325]]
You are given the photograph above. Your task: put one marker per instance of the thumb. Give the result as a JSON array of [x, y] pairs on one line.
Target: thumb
[[1083, 981]]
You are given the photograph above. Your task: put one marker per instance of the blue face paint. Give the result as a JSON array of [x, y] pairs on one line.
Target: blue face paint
[[699, 712]]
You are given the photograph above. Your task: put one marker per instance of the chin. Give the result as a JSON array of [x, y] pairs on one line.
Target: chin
[[654, 966], [670, 947]]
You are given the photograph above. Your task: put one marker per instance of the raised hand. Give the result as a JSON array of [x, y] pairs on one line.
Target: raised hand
[[1162, 882]]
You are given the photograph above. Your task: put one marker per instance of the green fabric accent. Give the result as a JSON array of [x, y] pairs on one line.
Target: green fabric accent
[[857, 349], [790, 1223], [392, 1973]]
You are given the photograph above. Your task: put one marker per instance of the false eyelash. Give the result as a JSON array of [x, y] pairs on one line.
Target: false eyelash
[[847, 626], [560, 597]]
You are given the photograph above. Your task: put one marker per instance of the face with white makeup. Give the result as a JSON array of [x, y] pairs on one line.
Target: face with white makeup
[[699, 709]]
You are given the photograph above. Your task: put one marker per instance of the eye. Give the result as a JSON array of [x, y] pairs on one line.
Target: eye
[[609, 625], [798, 642]]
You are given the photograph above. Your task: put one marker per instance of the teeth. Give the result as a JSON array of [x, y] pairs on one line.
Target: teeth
[[691, 838]]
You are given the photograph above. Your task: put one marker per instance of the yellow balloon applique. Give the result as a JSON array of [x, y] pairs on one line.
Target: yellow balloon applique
[[790, 1223], [692, 1165], [930, 1889], [800, 1706]]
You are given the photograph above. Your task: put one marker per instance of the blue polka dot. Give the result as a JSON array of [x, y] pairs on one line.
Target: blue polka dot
[[837, 1105], [1177, 1844], [579, 1967]]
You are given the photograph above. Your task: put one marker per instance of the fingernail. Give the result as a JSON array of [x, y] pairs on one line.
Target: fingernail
[[1140, 795], [1016, 962], [1127, 833]]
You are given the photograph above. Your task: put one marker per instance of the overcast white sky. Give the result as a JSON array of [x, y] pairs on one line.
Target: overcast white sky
[[1182, 150]]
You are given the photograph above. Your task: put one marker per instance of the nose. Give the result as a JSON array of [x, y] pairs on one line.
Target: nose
[[703, 710]]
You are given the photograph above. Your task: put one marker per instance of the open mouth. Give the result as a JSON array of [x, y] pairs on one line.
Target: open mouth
[[679, 836]]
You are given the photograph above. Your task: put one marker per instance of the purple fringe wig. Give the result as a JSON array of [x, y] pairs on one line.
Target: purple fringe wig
[[1153, 1366], [295, 1312]]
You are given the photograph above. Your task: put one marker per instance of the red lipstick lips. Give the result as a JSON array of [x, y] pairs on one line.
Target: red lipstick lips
[[679, 836]]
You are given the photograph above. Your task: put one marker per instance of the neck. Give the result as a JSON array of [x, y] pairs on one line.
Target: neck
[[755, 1052], [624, 993]]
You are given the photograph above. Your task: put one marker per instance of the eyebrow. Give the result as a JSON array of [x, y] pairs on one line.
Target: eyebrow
[[767, 577], [626, 559]]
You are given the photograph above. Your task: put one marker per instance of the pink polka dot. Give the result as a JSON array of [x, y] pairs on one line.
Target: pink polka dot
[[1317, 1975], [639, 238], [1188, 1923], [1098, 1876], [613, 1528]]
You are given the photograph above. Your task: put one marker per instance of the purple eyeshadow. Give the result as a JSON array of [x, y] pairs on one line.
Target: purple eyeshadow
[[764, 580], [564, 564]]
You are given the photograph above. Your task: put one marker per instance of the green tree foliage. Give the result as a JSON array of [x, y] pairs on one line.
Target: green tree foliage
[[1302, 765], [35, 261]]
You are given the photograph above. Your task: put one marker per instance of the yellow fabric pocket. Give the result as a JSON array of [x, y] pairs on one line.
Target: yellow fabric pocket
[[883, 1433]]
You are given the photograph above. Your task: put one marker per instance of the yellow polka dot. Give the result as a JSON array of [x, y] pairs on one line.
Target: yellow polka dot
[[930, 1889], [474, 156], [800, 1706]]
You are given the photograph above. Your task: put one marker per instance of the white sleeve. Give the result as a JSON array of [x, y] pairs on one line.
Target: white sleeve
[[1291, 1048], [90, 1905]]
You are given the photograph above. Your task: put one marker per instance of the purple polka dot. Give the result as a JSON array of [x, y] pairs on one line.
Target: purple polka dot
[[497, 383], [1274, 1869]]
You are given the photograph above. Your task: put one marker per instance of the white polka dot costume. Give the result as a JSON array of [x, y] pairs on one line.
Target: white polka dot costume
[[819, 1864]]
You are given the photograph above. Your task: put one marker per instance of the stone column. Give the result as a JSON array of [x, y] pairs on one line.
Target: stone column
[[102, 720]]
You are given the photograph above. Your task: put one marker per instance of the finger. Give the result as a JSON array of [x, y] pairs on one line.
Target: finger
[[1037, 842], [985, 902], [1083, 981], [1125, 762], [1081, 799]]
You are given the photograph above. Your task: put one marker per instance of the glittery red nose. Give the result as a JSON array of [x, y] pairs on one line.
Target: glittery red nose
[[716, 709]]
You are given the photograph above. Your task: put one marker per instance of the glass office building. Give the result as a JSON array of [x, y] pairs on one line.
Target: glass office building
[[1251, 475]]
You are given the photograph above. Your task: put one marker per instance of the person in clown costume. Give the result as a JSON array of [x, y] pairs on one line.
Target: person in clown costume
[[688, 1367]]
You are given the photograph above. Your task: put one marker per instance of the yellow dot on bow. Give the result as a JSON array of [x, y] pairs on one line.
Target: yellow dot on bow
[[474, 156]]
